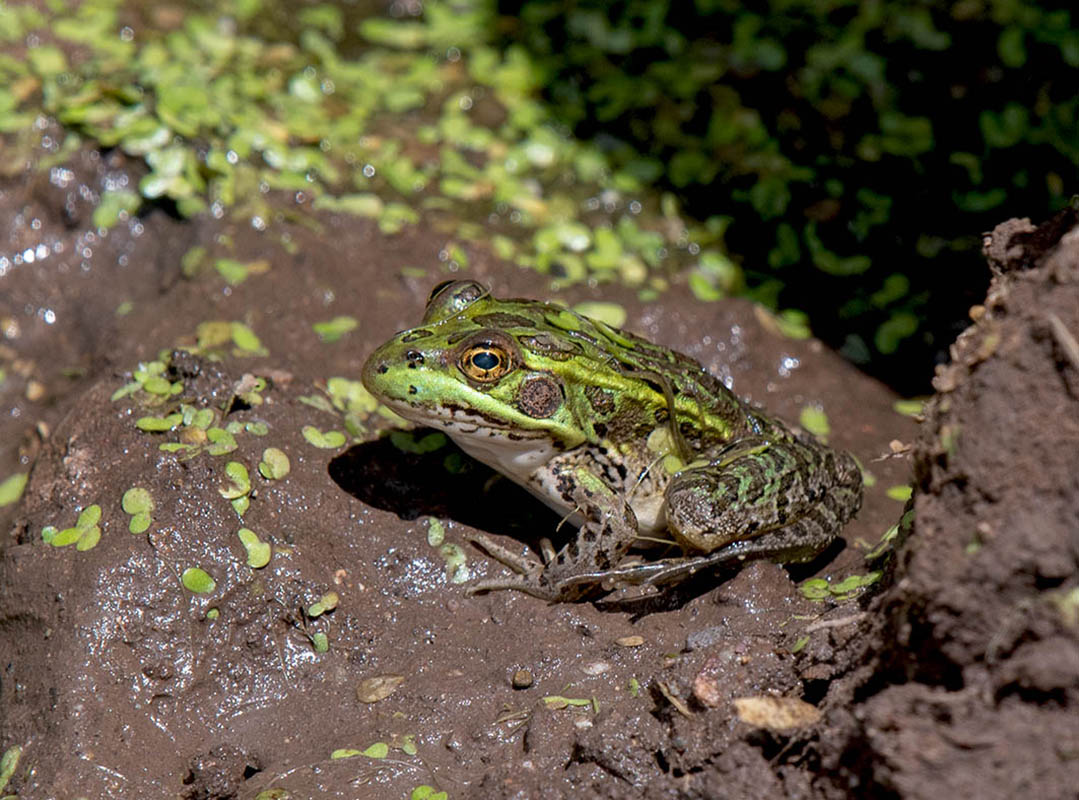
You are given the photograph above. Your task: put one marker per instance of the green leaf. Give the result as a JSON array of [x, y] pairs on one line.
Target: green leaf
[[8, 763], [90, 516], [274, 465], [239, 481], [114, 204], [65, 537], [244, 338], [610, 313], [89, 538], [159, 424], [197, 580], [221, 441], [258, 552], [330, 440], [377, 750], [12, 487], [136, 499], [345, 752], [335, 328], [814, 420], [900, 493]]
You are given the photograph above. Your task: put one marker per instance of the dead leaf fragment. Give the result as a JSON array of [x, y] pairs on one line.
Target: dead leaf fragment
[[776, 713], [629, 641], [371, 690]]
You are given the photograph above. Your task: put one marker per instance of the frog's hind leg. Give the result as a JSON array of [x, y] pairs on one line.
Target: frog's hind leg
[[785, 500]]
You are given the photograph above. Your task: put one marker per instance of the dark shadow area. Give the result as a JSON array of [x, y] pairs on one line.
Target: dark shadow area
[[443, 483]]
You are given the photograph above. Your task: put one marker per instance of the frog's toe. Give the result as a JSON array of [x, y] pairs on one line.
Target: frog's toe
[[518, 584], [521, 564]]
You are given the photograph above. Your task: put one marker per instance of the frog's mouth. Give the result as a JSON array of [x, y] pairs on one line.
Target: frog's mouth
[[509, 449]]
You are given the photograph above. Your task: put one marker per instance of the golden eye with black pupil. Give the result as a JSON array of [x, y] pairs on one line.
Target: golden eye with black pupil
[[485, 363]]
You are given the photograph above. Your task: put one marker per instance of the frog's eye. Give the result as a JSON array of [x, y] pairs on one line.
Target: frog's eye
[[450, 298], [485, 363]]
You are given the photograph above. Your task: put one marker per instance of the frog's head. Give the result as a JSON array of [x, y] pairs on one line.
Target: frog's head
[[487, 371]]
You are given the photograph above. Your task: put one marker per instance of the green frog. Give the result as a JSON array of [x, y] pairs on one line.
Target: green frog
[[632, 441]]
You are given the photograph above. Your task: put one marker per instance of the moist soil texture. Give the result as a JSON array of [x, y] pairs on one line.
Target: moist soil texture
[[298, 632]]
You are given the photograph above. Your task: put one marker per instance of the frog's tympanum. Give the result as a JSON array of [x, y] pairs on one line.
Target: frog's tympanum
[[632, 441]]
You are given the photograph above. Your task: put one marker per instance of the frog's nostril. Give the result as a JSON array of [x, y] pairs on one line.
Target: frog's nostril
[[382, 368]]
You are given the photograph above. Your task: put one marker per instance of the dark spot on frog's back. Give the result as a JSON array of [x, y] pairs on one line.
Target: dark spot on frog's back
[[501, 319], [539, 397], [415, 335]]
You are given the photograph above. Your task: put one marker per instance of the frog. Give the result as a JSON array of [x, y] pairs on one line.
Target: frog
[[634, 443]]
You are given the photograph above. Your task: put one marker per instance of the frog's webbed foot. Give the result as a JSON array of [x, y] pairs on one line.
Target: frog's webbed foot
[[529, 571]]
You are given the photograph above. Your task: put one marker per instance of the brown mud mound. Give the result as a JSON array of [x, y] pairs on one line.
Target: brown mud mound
[[126, 673], [975, 688]]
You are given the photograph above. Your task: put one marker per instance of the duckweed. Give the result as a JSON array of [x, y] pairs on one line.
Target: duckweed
[[328, 602], [197, 580], [425, 792], [274, 465], [407, 442], [436, 532], [159, 424], [610, 313], [901, 493], [85, 534], [377, 750], [330, 440], [258, 552], [12, 487], [332, 330], [138, 503], [239, 481], [221, 442], [8, 763], [556, 701], [814, 420], [819, 589], [236, 272], [456, 563], [914, 407], [320, 642], [247, 343]]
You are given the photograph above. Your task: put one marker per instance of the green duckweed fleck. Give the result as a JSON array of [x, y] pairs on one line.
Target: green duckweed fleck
[[426, 792], [239, 481], [197, 580], [245, 340], [221, 442], [12, 487], [330, 440], [814, 420], [159, 424], [328, 602], [8, 763], [274, 465], [258, 552], [334, 329], [901, 492], [610, 313]]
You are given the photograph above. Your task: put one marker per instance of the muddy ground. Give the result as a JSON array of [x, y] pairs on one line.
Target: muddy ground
[[959, 674]]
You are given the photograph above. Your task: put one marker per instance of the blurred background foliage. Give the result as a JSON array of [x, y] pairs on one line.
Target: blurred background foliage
[[838, 158], [853, 150]]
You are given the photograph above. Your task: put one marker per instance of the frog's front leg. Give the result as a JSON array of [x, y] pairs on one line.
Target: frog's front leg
[[608, 529], [782, 499]]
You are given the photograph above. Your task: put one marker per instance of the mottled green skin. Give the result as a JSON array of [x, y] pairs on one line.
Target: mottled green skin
[[627, 437]]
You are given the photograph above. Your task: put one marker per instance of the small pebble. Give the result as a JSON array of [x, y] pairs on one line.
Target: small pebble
[[521, 679], [629, 641]]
